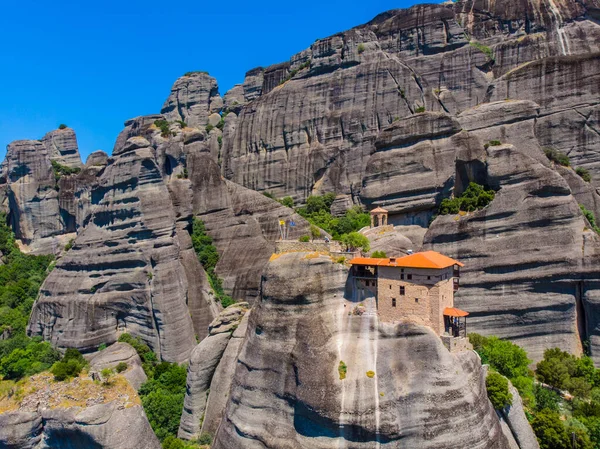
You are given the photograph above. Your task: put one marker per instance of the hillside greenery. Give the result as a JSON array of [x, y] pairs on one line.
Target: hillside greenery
[[555, 419], [63, 170], [208, 256], [476, 197], [21, 276]]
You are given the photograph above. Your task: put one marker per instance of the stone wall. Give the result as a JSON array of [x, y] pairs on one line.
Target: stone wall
[[426, 294], [294, 246], [456, 344]]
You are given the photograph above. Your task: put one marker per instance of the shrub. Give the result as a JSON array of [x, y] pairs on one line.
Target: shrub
[[476, 197], [584, 174], [205, 438], [65, 369], [69, 245], [209, 128], [121, 366], [62, 126], [557, 157], [288, 201], [550, 430], [102, 347], [497, 390], [505, 357], [420, 109], [62, 170], [354, 241], [341, 260], [304, 239], [269, 195], [495, 143], [361, 48], [487, 51], [546, 399], [315, 232], [195, 72], [163, 125], [589, 216], [379, 255], [342, 370], [181, 123]]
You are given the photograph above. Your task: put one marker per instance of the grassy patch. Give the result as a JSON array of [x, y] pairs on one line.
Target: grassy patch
[[342, 370], [487, 51]]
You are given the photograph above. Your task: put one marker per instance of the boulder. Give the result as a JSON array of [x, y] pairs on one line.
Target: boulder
[[120, 353]]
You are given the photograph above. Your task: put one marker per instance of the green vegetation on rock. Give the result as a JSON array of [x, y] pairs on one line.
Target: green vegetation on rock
[[554, 418], [62, 170], [208, 256], [354, 241], [379, 255], [162, 397], [487, 51], [557, 157], [476, 197], [497, 390], [70, 366], [589, 216], [20, 279], [62, 126], [584, 174]]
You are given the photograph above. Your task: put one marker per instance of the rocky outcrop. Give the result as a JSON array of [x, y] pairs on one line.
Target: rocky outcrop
[[120, 353], [517, 423], [32, 196], [542, 295], [101, 426], [193, 98], [312, 122], [124, 273], [204, 360], [244, 225], [287, 389], [61, 145]]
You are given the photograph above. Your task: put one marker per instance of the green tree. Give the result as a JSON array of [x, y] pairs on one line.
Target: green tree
[[550, 430], [354, 241], [505, 357], [546, 399], [497, 390], [379, 255], [288, 201]]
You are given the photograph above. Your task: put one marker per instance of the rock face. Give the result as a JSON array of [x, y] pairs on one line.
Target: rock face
[[204, 360], [287, 390], [311, 123], [193, 98], [124, 273], [101, 426], [244, 225], [61, 145], [32, 197]]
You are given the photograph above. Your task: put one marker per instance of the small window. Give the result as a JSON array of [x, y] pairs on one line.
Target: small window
[[402, 291], [428, 278], [416, 299], [409, 276], [393, 302], [402, 276], [402, 270], [390, 286]]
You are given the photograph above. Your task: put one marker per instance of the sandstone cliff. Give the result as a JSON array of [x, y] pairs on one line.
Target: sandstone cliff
[[287, 391]]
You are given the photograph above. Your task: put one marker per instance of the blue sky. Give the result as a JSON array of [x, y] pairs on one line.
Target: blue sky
[[93, 64]]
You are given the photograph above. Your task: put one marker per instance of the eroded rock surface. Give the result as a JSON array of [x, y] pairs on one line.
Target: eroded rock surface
[[124, 273], [287, 390]]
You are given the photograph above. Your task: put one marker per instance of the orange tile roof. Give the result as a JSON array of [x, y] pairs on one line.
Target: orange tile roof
[[426, 259], [379, 210], [451, 311]]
